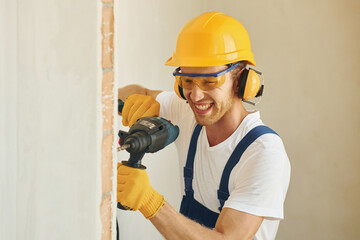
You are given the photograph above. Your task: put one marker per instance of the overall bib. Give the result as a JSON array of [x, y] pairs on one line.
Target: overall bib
[[192, 208]]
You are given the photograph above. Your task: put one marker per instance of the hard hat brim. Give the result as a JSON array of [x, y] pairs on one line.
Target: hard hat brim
[[203, 62]]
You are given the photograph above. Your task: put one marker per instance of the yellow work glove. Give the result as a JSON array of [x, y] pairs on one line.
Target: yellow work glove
[[137, 106], [134, 191]]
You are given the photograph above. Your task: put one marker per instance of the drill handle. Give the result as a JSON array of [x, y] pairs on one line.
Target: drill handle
[[135, 160]]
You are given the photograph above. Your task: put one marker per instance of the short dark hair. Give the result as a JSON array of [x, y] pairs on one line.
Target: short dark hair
[[236, 70]]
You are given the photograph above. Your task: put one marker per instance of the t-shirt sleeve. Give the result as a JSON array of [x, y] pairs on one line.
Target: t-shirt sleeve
[[172, 107], [260, 186]]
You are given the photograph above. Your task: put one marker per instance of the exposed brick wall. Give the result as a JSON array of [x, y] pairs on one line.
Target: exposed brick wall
[[107, 30]]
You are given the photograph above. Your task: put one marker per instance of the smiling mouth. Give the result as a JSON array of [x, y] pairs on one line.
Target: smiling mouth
[[203, 107]]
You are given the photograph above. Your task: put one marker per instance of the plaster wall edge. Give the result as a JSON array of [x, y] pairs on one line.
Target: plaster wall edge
[[114, 148], [99, 120]]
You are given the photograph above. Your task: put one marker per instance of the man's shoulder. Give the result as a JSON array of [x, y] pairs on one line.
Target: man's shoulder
[[268, 145], [268, 136]]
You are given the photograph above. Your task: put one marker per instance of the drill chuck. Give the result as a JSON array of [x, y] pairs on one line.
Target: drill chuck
[[139, 142]]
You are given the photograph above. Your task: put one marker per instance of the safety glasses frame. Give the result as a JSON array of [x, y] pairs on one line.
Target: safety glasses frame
[[217, 74]]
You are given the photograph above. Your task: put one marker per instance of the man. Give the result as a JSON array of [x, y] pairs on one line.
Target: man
[[236, 171]]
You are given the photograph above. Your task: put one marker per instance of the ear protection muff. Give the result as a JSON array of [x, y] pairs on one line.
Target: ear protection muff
[[179, 90], [249, 84]]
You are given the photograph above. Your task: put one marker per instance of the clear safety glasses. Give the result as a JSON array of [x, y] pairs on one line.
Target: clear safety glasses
[[204, 81]]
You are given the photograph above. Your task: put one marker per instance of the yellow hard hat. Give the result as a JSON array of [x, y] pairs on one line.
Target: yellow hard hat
[[212, 39]]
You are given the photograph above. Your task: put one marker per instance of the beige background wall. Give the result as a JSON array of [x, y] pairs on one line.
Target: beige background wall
[[310, 57]]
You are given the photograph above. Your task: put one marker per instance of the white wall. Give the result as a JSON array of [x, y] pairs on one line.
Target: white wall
[[50, 122], [309, 54], [8, 125]]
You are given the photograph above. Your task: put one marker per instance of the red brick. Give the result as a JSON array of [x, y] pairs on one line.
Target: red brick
[[107, 30], [108, 101], [105, 215], [106, 163]]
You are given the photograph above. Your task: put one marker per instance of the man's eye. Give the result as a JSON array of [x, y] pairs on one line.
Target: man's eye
[[187, 80], [211, 82]]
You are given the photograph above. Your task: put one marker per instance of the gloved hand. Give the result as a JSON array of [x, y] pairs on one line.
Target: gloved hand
[[134, 191], [137, 106]]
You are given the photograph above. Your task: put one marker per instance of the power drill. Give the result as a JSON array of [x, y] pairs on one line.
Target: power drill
[[147, 135]]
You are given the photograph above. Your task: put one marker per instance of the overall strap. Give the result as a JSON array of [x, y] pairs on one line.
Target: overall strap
[[250, 137], [188, 169]]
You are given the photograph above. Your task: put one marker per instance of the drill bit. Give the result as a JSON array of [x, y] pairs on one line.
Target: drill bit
[[123, 147]]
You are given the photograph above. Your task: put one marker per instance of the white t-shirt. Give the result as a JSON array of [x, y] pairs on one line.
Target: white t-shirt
[[257, 184]]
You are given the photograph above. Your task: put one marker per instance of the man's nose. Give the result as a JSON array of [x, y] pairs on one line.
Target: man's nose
[[197, 93]]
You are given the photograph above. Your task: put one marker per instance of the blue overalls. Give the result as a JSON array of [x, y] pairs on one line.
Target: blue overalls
[[192, 208]]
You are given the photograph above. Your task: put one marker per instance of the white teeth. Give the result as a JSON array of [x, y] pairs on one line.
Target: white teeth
[[203, 107]]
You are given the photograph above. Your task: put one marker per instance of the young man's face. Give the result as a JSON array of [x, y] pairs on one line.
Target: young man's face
[[210, 106]]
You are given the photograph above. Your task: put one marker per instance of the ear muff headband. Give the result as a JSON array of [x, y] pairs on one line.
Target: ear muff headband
[[181, 93], [242, 82], [178, 90]]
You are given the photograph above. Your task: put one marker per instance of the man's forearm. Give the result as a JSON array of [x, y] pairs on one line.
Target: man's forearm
[[173, 225], [128, 90]]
